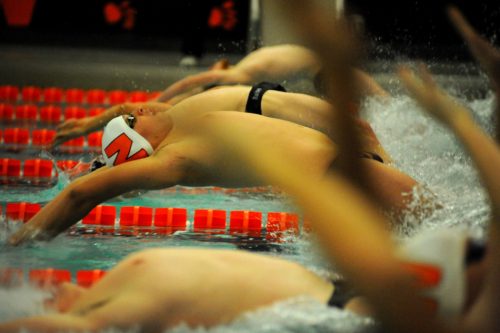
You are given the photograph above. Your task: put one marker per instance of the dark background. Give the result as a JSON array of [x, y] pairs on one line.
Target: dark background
[[159, 25], [414, 28], [420, 28]]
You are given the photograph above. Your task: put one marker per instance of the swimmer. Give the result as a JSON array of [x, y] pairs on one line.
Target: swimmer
[[156, 289], [152, 150], [264, 98], [343, 216], [277, 63]]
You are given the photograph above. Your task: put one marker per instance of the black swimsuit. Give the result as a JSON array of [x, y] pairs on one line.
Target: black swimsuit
[[257, 92], [342, 293]]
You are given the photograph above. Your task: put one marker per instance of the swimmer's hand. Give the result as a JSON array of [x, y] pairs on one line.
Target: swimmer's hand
[[27, 233], [427, 93], [483, 51], [72, 128]]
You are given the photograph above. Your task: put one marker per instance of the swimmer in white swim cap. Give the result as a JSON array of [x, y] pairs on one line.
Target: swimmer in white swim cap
[[121, 143]]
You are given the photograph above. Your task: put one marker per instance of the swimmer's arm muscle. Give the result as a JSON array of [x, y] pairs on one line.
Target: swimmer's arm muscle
[[81, 196]]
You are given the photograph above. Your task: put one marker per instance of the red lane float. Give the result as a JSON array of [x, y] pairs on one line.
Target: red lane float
[[102, 215], [170, 217], [138, 96], [74, 96], [74, 112], [149, 219], [96, 96], [31, 94], [53, 95], [95, 111], [38, 168], [42, 137], [86, 278], [11, 277], [21, 211], [6, 112], [136, 216], [245, 221], [280, 221], [94, 140], [9, 93], [50, 114], [117, 97], [16, 136], [47, 277], [209, 219]]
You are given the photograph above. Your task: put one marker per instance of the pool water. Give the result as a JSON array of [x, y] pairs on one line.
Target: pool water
[[420, 147]]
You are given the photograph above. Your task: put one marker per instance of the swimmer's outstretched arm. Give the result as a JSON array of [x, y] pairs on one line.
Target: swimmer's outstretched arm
[[486, 154], [487, 56], [73, 128], [199, 80], [82, 195]]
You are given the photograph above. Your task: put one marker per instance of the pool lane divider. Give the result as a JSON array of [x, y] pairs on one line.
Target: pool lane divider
[[36, 171], [46, 278], [139, 220], [20, 139], [55, 95]]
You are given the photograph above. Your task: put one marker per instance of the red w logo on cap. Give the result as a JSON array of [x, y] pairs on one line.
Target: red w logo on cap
[[121, 146]]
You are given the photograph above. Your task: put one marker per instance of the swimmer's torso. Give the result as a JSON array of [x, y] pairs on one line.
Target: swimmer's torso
[[197, 286], [204, 164]]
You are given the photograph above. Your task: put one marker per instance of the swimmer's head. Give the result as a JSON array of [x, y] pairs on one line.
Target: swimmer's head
[[121, 143]]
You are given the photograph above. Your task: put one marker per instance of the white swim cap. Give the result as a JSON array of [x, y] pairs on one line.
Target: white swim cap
[[120, 143]]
